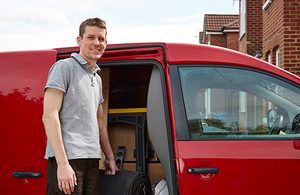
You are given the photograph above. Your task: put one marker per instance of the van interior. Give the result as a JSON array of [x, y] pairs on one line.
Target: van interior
[[125, 90]]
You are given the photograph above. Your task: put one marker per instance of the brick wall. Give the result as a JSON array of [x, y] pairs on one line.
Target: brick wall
[[217, 39], [282, 30], [228, 40], [291, 37], [273, 30], [243, 44], [254, 26], [251, 42], [232, 40]]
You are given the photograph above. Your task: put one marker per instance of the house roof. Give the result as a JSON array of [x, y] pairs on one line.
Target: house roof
[[217, 22]]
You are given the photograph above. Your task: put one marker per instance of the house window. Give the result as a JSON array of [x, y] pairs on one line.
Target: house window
[[243, 18], [268, 57], [266, 4], [277, 57]]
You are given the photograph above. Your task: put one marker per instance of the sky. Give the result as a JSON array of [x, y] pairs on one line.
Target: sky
[[47, 24]]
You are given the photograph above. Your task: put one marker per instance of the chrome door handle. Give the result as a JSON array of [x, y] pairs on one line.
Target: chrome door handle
[[27, 174], [203, 170]]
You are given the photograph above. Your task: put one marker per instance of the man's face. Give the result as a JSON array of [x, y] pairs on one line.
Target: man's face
[[92, 44]]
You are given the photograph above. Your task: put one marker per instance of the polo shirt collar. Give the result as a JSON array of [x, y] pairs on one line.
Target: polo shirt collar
[[83, 63]]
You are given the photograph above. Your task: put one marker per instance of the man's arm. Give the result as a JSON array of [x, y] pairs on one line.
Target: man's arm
[[110, 162], [52, 104]]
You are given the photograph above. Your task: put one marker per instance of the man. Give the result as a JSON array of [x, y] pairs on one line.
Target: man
[[73, 117]]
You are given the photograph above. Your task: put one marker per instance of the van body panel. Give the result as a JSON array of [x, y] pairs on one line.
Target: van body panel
[[267, 165], [22, 79]]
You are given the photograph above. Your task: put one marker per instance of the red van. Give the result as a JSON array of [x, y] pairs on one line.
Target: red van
[[214, 121]]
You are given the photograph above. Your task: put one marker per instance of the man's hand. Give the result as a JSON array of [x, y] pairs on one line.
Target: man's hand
[[66, 178], [111, 167]]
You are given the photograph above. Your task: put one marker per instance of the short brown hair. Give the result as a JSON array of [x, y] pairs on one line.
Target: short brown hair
[[91, 22]]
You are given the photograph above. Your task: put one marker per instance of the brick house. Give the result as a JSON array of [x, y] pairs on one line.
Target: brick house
[[267, 29], [221, 30], [281, 33], [271, 29], [250, 39]]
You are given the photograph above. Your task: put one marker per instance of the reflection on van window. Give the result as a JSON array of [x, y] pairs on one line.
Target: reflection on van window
[[236, 103]]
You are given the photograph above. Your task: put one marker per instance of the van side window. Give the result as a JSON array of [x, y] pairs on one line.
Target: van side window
[[234, 103]]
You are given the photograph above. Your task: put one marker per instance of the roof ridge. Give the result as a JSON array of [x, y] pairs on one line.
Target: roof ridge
[[232, 23], [221, 14]]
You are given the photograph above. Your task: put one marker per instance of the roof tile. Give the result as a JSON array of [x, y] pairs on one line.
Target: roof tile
[[217, 22]]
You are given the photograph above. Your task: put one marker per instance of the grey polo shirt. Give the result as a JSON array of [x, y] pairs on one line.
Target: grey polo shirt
[[78, 115]]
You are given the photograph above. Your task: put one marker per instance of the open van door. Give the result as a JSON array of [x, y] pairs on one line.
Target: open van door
[[22, 142]]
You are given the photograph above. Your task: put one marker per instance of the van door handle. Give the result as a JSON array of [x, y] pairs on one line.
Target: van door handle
[[27, 174], [203, 170]]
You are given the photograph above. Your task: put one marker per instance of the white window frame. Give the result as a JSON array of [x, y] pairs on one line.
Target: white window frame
[[277, 57], [266, 5], [243, 102], [207, 102], [269, 57], [242, 18]]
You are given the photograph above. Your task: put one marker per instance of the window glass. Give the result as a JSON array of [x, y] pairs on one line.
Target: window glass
[[236, 103]]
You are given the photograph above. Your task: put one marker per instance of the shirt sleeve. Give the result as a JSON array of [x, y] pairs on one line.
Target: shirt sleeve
[[59, 76]]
